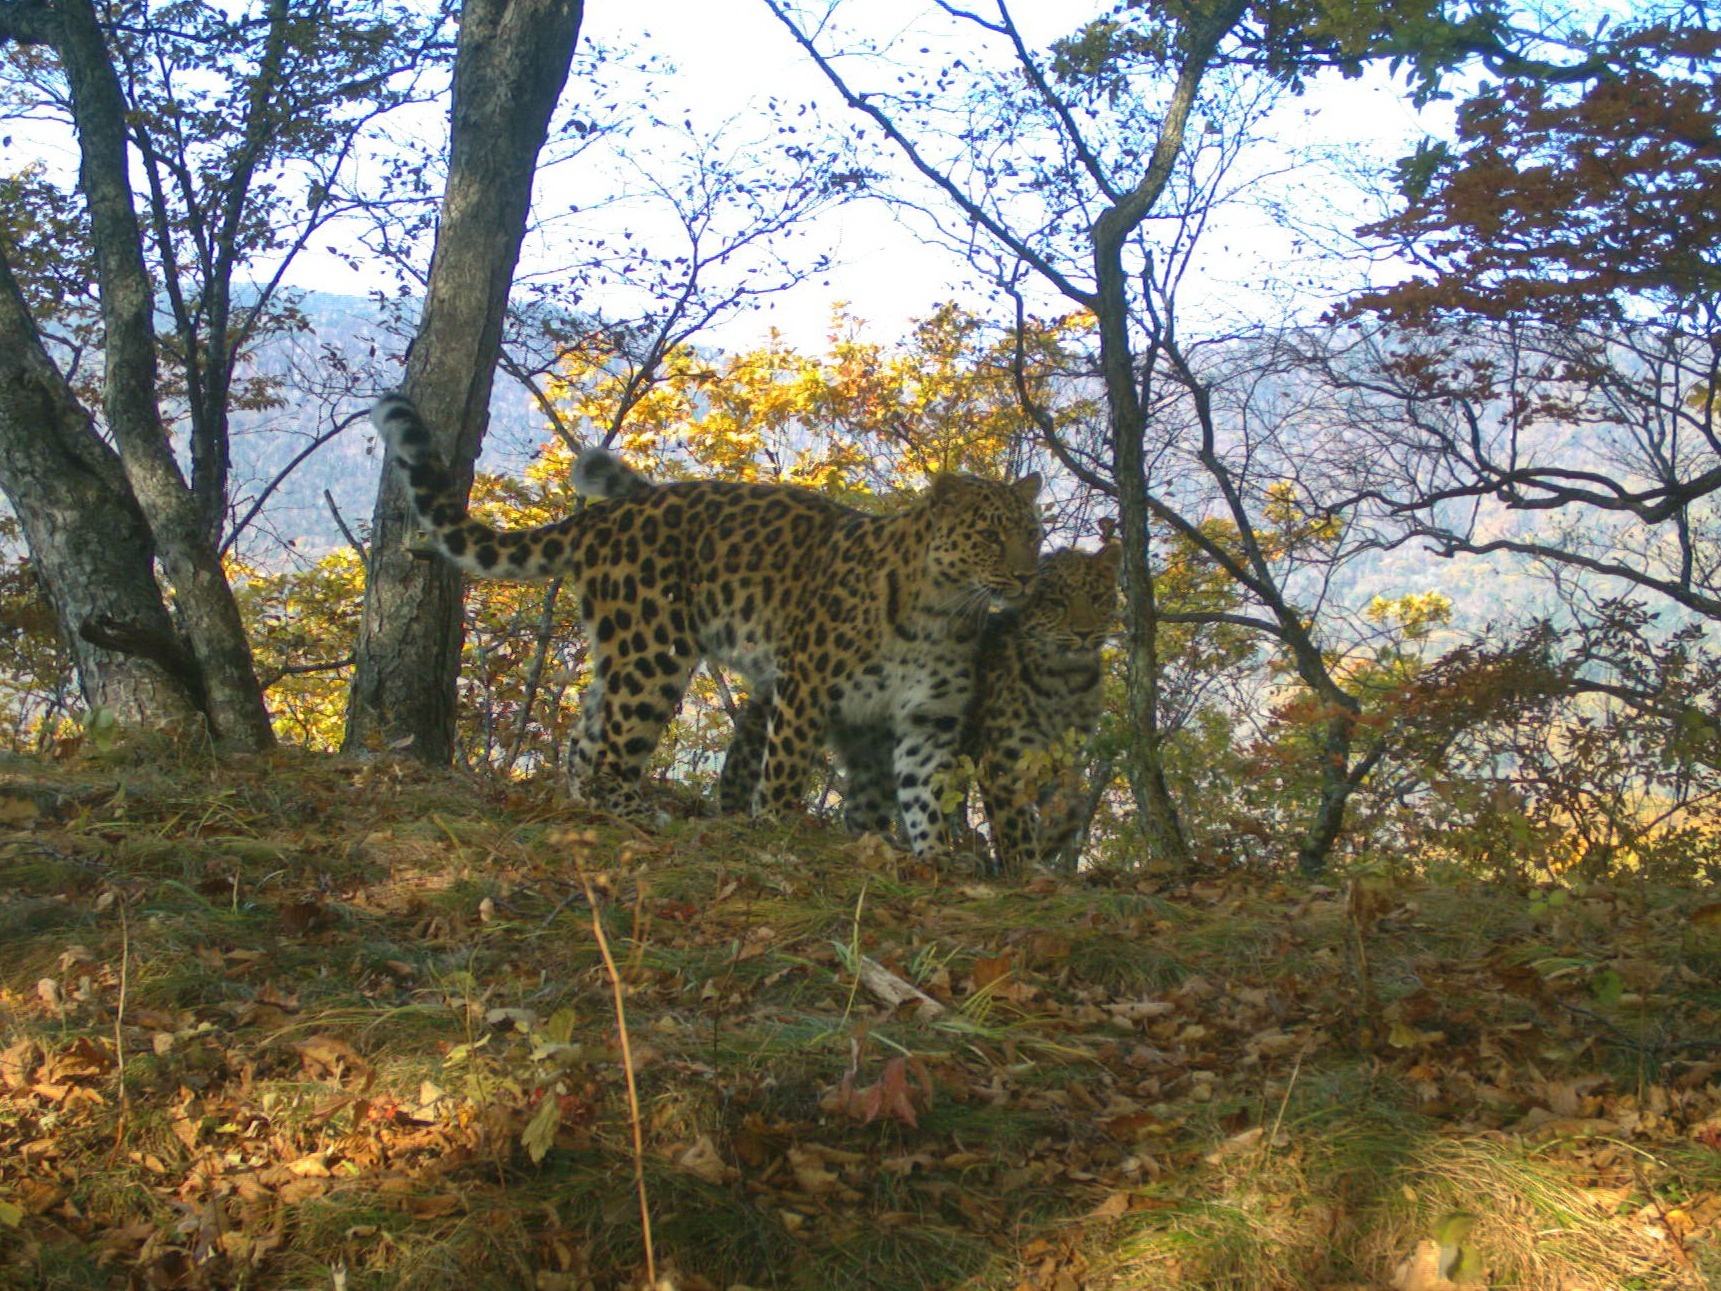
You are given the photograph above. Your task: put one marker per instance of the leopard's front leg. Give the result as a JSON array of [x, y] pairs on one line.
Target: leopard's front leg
[[869, 776], [1011, 816], [924, 759]]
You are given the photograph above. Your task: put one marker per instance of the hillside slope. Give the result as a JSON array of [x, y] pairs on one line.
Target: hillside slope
[[301, 1022]]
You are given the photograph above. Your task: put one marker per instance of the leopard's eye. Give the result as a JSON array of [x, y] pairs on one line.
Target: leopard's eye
[[991, 535]]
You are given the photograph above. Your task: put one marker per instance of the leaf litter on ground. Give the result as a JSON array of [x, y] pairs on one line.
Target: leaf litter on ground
[[293, 1015]]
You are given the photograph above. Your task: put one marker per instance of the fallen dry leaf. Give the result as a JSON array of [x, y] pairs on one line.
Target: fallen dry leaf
[[327, 1056], [810, 1173], [704, 1161]]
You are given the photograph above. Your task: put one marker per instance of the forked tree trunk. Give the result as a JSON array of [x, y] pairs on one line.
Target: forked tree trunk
[[1120, 370], [509, 69], [88, 540], [213, 629]]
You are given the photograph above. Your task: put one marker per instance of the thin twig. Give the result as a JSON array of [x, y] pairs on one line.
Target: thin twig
[[341, 523], [627, 1070], [534, 675], [119, 1021], [1273, 1134]]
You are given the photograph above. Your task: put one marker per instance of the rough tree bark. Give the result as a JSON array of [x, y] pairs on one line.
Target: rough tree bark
[[232, 697], [509, 69], [88, 540], [220, 657]]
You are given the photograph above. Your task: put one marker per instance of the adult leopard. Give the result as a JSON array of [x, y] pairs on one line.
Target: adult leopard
[[806, 598]]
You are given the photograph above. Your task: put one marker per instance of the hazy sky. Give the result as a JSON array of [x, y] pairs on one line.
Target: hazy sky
[[733, 53], [730, 55]]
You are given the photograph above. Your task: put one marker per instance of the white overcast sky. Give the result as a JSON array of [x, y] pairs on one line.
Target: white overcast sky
[[730, 55]]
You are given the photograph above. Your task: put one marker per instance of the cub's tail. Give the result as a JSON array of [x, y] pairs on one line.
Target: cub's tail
[[599, 473], [474, 546]]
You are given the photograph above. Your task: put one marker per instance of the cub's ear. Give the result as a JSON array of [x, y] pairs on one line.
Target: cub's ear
[[1029, 486], [946, 488]]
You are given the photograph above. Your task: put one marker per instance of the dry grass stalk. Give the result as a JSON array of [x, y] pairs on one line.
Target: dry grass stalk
[[634, 1117]]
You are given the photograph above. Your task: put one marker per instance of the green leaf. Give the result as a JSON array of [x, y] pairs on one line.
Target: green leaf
[[560, 1027], [540, 1133], [461, 1052], [1466, 1266], [1416, 172], [11, 1214], [1607, 986], [101, 727], [1454, 1228]]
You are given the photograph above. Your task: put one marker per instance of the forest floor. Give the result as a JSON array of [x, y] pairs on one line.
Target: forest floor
[[294, 1022]]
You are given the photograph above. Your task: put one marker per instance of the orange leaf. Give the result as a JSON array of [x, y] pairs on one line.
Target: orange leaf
[[432, 1207], [995, 969]]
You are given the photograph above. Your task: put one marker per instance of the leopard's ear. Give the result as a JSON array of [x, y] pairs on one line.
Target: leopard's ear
[[946, 488], [1029, 486], [1110, 555]]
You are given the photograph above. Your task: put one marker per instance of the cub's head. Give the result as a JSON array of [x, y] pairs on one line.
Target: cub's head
[[986, 539], [1074, 601]]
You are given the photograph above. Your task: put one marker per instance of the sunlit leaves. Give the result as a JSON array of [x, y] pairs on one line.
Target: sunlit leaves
[[866, 416], [1416, 614]]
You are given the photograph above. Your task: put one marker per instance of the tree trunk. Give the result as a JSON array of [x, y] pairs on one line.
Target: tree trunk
[[1337, 782], [1161, 826], [1120, 370], [509, 70], [87, 537], [1159, 821], [237, 714]]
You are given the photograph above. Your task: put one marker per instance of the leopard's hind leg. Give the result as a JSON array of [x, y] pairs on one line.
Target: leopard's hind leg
[[744, 759], [636, 687]]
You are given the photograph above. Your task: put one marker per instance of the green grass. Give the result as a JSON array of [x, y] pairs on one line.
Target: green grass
[[1086, 1107]]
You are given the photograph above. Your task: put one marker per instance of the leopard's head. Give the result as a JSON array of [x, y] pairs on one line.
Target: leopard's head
[[986, 540], [1074, 602]]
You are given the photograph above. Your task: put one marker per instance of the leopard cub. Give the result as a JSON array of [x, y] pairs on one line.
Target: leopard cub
[[1040, 682], [1027, 681]]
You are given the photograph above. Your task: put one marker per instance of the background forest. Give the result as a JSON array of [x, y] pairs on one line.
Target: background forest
[[1421, 504], [1403, 822]]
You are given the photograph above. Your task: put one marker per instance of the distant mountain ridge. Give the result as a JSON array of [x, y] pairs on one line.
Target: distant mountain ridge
[[350, 354], [333, 371]]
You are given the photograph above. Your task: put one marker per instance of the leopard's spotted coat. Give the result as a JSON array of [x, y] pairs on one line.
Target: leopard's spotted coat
[[808, 599]]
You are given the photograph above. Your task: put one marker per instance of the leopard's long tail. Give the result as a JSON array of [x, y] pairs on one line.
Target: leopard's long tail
[[599, 473], [474, 546]]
